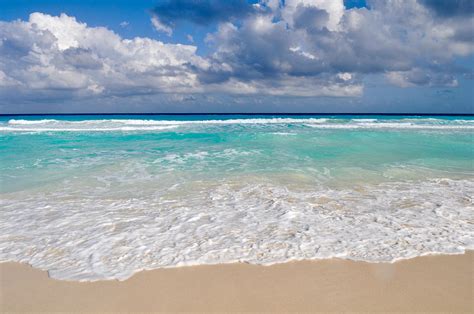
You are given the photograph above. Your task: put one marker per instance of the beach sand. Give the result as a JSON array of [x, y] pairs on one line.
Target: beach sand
[[430, 283]]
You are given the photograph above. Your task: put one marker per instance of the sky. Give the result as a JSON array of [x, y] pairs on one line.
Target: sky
[[320, 56]]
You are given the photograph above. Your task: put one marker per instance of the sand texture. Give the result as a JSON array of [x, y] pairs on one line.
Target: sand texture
[[430, 283]]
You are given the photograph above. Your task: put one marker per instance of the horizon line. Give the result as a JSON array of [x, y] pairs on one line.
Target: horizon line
[[240, 113]]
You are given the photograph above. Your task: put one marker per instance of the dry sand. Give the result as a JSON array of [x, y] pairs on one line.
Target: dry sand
[[431, 283]]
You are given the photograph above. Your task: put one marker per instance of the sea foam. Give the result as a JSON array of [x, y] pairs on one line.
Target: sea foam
[[82, 237], [104, 125]]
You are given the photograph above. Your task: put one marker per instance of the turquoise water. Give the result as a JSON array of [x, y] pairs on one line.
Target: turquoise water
[[94, 197]]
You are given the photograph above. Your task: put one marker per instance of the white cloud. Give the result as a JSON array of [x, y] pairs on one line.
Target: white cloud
[[58, 53], [320, 38], [334, 8], [344, 76], [297, 47], [160, 27]]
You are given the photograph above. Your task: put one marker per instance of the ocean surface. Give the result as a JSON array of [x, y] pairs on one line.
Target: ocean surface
[[102, 197]]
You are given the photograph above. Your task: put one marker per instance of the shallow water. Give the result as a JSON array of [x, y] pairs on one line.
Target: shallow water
[[100, 197]]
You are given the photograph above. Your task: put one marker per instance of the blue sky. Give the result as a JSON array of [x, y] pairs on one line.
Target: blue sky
[[236, 56]]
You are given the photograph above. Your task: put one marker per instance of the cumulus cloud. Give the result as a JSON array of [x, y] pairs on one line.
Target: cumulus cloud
[[321, 38], [307, 48], [59, 54]]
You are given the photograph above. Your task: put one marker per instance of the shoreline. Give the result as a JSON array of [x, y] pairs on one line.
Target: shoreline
[[184, 265], [425, 283]]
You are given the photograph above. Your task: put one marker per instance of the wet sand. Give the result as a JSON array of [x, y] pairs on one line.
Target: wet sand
[[430, 283]]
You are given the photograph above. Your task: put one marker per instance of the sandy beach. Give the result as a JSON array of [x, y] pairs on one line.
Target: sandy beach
[[237, 156], [429, 283]]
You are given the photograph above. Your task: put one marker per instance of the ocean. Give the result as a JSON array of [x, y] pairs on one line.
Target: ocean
[[102, 197]]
